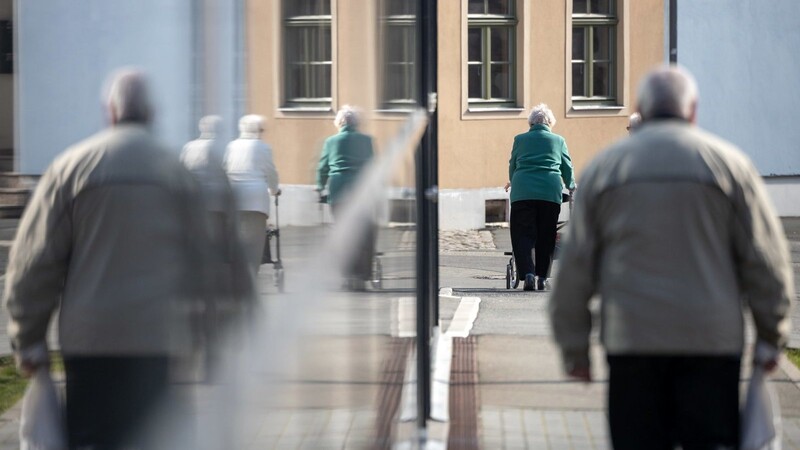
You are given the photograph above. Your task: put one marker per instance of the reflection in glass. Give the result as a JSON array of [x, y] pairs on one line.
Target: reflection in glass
[[602, 38], [400, 7], [475, 44], [307, 8], [476, 7], [501, 7], [600, 79], [475, 81], [500, 38], [501, 81], [578, 43], [578, 80], [601, 6]]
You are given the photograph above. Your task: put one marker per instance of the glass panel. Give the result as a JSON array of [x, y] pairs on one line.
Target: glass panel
[[319, 43], [601, 80], [578, 43], [322, 80], [580, 6], [476, 7], [295, 81], [601, 7], [475, 81], [501, 44], [395, 44], [578, 85], [399, 7], [475, 43], [294, 48], [602, 40], [501, 81], [307, 8], [502, 7]]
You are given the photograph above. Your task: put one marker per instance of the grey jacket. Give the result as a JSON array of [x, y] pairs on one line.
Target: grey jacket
[[113, 236], [673, 229]]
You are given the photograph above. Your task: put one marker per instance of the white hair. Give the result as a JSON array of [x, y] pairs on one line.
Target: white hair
[[347, 116], [542, 114], [668, 91], [209, 126], [251, 126], [128, 96]]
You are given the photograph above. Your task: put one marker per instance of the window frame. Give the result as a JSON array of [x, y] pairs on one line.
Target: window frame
[[589, 22], [410, 79], [486, 23], [306, 23]]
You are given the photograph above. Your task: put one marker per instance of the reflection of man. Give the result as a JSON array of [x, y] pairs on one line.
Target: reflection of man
[[107, 238], [674, 230], [634, 122]]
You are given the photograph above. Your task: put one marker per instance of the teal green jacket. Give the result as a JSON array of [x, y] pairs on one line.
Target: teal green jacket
[[343, 156], [539, 162]]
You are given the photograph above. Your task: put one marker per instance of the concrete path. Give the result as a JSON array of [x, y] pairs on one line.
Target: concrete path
[[345, 370]]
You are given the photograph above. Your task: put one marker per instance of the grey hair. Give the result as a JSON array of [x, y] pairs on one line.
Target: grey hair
[[251, 125], [668, 91], [209, 126], [542, 114], [347, 116], [128, 96]]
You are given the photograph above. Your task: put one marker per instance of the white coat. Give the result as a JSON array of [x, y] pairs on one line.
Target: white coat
[[252, 174]]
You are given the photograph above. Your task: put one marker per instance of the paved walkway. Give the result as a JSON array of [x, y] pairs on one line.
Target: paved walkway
[[334, 395]]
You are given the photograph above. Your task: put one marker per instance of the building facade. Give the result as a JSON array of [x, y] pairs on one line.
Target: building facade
[[496, 60]]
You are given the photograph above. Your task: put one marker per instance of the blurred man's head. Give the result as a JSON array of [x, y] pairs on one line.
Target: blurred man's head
[[634, 121], [209, 126], [668, 92], [251, 126], [128, 97]]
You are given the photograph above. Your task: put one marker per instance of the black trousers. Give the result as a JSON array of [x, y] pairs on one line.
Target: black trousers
[[360, 263], [660, 402], [533, 225], [109, 399]]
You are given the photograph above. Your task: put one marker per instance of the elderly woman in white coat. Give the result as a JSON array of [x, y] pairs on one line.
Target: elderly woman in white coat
[[252, 174]]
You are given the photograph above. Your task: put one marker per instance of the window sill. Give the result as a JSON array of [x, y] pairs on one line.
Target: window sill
[[493, 113], [595, 110], [305, 109]]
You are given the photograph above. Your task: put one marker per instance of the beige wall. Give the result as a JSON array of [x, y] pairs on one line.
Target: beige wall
[[473, 146]]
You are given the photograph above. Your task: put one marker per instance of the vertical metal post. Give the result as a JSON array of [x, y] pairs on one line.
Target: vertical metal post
[[673, 31], [427, 219]]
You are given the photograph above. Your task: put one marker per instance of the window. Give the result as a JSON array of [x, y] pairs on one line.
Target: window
[[491, 43], [594, 31], [307, 53], [399, 89]]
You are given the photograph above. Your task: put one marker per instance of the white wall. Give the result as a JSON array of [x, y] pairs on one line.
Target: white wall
[[744, 56], [67, 48], [785, 195]]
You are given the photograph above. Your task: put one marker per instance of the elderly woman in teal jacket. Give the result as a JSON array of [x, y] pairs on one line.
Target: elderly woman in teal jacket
[[539, 168], [343, 157]]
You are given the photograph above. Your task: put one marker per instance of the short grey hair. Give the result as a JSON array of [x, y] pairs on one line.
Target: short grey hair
[[668, 91], [251, 124], [542, 114], [347, 116], [128, 96], [209, 125]]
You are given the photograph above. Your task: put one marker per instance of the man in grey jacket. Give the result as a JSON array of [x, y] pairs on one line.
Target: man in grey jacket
[[674, 231], [113, 236]]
